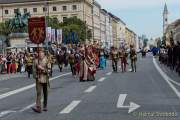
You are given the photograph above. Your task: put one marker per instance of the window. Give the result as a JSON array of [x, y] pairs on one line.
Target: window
[[54, 8], [34, 9], [6, 12], [64, 19], [44, 9], [64, 8], [15, 10], [25, 10], [74, 7]]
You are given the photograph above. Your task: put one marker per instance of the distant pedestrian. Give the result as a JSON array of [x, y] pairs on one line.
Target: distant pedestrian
[[123, 58], [115, 57], [133, 57]]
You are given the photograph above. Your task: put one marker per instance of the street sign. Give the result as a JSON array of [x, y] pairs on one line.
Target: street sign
[[37, 29]]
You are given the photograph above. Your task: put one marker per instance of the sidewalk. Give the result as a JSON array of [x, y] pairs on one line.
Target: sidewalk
[[11, 76], [18, 75], [171, 73]]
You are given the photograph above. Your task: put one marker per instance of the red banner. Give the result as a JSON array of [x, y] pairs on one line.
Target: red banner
[[37, 29]]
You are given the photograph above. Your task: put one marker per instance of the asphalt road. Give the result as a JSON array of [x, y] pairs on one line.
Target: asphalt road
[[149, 94]]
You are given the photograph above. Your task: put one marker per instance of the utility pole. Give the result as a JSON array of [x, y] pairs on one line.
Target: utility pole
[[46, 22]]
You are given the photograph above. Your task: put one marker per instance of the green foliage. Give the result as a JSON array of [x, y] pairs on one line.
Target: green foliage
[[5, 29], [72, 24]]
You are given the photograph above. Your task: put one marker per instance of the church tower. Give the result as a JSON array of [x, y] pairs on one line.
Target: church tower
[[165, 18]]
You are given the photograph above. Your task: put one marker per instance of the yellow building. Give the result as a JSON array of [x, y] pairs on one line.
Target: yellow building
[[61, 9], [130, 38]]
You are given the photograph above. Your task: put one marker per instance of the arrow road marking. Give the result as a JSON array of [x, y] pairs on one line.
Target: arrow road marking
[[70, 107], [132, 107], [121, 100], [102, 79], [6, 113], [90, 89]]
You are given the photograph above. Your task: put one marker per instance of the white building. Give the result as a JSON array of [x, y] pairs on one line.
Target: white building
[[103, 27], [96, 22]]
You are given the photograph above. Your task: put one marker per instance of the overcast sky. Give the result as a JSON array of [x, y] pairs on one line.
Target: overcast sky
[[143, 16]]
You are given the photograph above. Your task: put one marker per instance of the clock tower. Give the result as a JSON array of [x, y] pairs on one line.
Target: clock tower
[[165, 18]]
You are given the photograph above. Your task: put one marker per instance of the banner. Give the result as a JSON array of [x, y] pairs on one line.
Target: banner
[[59, 36], [53, 36], [37, 29], [48, 29]]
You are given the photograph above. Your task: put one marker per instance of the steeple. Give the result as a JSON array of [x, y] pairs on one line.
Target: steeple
[[165, 18], [165, 9]]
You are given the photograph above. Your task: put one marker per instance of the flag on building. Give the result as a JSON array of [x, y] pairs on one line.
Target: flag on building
[[48, 33], [53, 36], [59, 36]]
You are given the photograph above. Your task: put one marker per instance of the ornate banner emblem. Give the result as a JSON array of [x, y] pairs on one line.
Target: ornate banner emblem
[[37, 29]]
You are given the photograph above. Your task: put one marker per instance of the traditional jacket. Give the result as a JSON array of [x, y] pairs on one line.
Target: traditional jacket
[[39, 75]]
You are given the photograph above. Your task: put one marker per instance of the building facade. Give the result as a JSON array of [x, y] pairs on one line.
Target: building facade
[[96, 22], [61, 9], [121, 29], [130, 38], [106, 28], [103, 27]]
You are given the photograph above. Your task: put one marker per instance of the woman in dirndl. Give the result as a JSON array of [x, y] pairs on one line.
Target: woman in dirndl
[[87, 65]]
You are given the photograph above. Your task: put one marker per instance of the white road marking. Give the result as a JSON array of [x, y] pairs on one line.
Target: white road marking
[[70, 107], [109, 73], [5, 95], [90, 89], [4, 89], [175, 82], [121, 100], [120, 104], [102, 79], [166, 78], [27, 107], [6, 113]]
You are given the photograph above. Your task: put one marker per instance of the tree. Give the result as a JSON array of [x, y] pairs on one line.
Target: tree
[[5, 31], [72, 24], [78, 26]]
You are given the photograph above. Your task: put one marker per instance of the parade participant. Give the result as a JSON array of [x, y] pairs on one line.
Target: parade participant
[[178, 57], [41, 69], [1, 64], [60, 59], [102, 60], [114, 56], [72, 62], [87, 65], [29, 63], [133, 57], [90, 60], [9, 61], [123, 56], [4, 67], [21, 62], [51, 62], [77, 61], [13, 65]]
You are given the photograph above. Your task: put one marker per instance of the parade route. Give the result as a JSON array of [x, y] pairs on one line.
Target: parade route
[[129, 96]]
